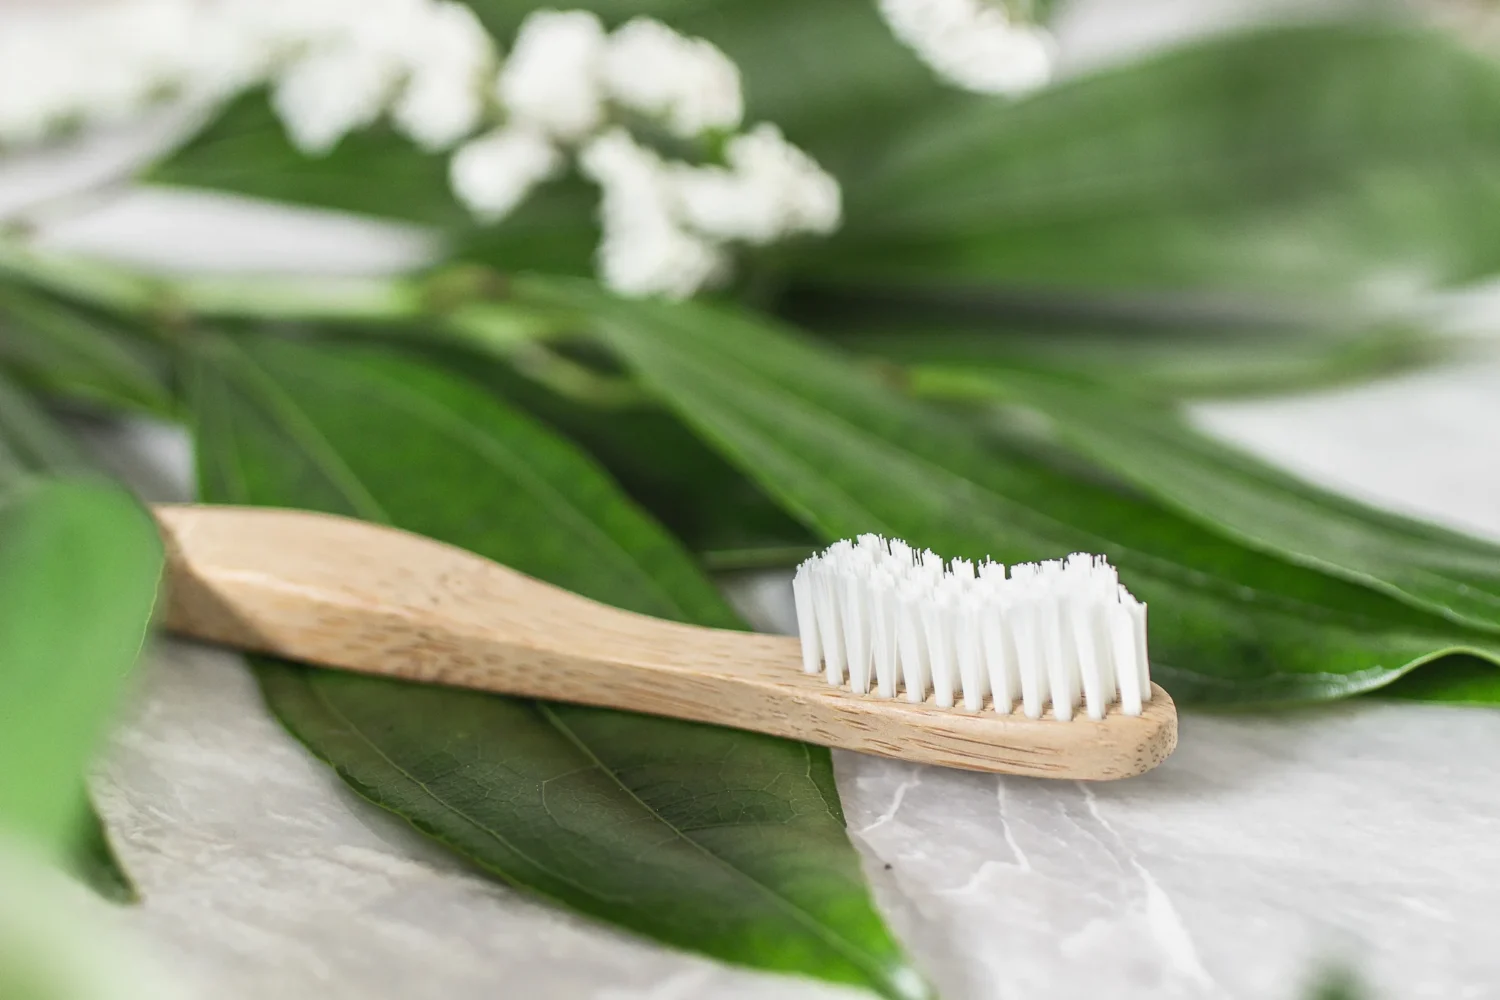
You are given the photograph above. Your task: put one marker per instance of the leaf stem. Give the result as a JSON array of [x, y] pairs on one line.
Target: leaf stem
[[476, 311]]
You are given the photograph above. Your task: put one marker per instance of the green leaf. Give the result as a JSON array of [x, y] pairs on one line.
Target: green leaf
[[848, 455], [1301, 159], [92, 859], [1151, 358], [727, 843], [79, 564], [1458, 680], [703, 500], [70, 351], [1230, 492], [372, 171], [30, 443]]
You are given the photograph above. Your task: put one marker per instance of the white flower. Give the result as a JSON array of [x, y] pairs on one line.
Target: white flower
[[326, 95], [973, 44], [443, 100], [771, 189], [334, 66], [686, 82], [644, 250], [551, 80], [492, 174]]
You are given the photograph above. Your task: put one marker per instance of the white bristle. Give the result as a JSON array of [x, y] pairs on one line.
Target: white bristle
[[807, 619], [884, 619]]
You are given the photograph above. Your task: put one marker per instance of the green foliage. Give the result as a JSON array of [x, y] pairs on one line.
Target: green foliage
[[704, 501], [79, 563], [849, 455], [728, 843], [92, 858], [1299, 159], [70, 627], [1427, 567], [79, 354], [245, 151], [1184, 360]]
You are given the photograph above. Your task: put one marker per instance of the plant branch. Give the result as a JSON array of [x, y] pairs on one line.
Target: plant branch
[[472, 309]]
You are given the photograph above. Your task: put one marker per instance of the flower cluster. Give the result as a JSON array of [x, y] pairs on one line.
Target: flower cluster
[[567, 88], [973, 44], [566, 91]]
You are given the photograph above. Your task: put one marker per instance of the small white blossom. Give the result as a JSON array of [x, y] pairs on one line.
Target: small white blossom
[[771, 189], [687, 83], [335, 66], [551, 79], [644, 249], [326, 95], [973, 44], [493, 173], [443, 100]]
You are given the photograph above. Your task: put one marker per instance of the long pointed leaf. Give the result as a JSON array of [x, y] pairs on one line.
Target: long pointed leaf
[[72, 351], [727, 843], [1429, 567], [1296, 159], [848, 455]]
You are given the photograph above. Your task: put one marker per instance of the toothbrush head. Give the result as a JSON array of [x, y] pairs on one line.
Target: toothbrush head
[[890, 621]]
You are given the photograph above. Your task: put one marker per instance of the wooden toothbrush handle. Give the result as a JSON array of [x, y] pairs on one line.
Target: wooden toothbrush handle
[[358, 596]]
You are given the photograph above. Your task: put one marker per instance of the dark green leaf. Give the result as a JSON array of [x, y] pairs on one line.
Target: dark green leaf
[[30, 442], [1291, 159], [1457, 680], [374, 171], [1234, 494], [706, 502], [724, 842], [848, 456], [92, 859], [1201, 359], [79, 563], [68, 350]]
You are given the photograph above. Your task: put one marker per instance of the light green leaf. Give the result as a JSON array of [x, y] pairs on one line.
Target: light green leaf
[[728, 843], [32, 445], [57, 945], [1302, 159], [1232, 493], [79, 564], [848, 455]]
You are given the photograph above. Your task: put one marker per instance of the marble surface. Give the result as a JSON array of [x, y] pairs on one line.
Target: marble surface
[[1268, 850]]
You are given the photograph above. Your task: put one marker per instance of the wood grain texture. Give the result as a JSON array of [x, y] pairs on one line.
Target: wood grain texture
[[358, 596]]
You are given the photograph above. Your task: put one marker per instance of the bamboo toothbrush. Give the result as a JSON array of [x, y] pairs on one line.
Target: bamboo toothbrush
[[1042, 672]]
